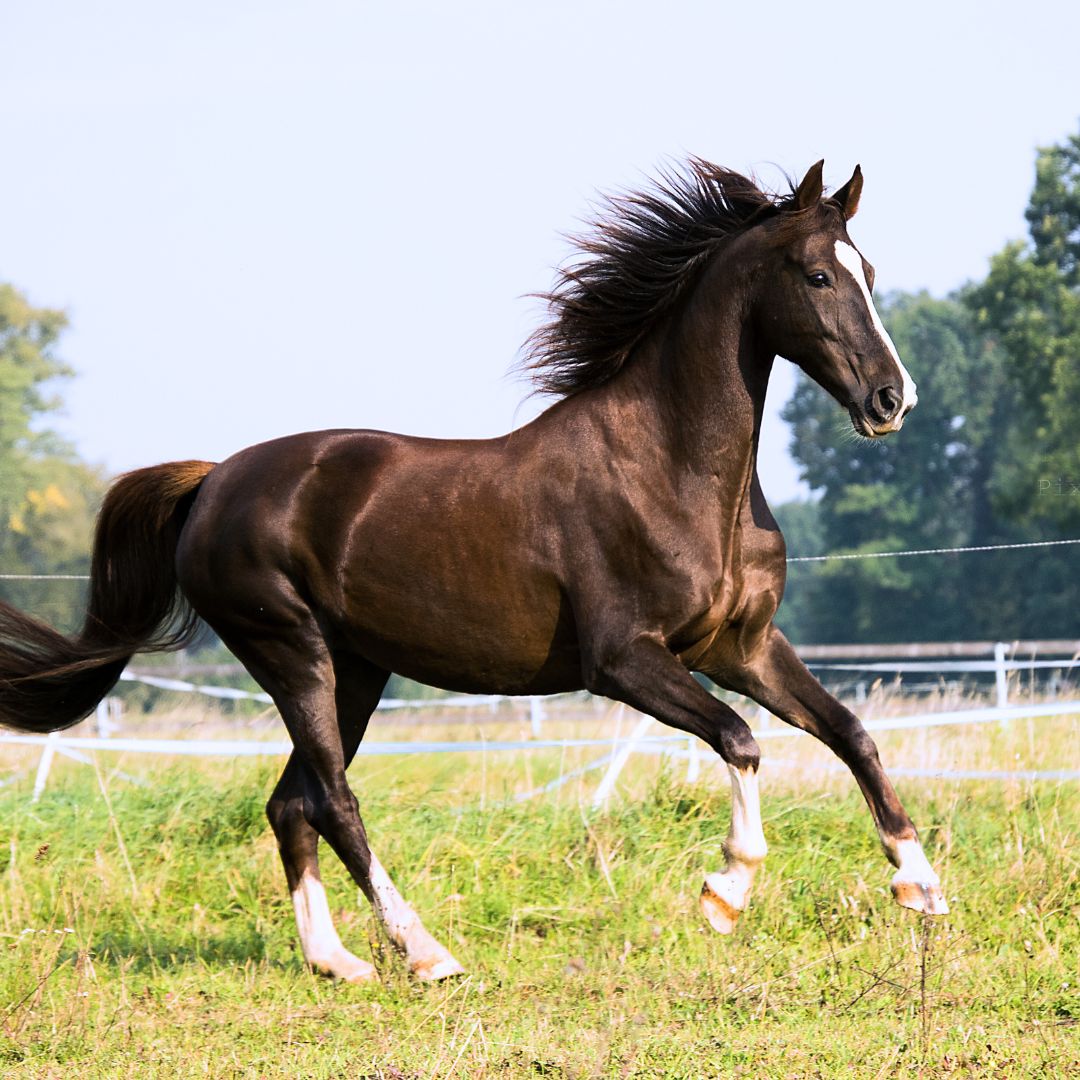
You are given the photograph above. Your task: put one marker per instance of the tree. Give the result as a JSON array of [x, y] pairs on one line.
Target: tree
[[1029, 307], [48, 497], [1053, 212]]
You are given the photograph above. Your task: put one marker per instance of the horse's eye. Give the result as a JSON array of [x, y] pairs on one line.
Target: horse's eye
[[818, 280]]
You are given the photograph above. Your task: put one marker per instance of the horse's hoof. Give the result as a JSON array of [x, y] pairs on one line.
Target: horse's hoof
[[362, 973], [436, 968], [719, 904], [347, 968], [926, 897]]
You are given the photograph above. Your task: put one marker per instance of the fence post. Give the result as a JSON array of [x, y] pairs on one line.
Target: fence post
[[607, 785], [103, 719], [536, 715], [1001, 676], [693, 766], [44, 765]]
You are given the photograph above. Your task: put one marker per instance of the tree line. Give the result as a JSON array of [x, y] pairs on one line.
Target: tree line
[[991, 455]]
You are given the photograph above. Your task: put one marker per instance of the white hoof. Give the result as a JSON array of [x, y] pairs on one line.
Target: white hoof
[[723, 899], [924, 896], [434, 968], [346, 967], [915, 885]]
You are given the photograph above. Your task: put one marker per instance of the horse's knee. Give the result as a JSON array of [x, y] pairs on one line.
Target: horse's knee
[[326, 807], [284, 814], [739, 748], [857, 746]]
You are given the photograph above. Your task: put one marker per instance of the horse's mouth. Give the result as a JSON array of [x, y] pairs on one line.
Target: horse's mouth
[[867, 430]]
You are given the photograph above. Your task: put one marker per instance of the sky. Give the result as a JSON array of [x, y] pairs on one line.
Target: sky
[[273, 217]]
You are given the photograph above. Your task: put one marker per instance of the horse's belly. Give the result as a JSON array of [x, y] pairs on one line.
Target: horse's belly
[[466, 643]]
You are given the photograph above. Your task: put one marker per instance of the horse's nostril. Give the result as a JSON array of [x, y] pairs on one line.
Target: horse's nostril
[[886, 402]]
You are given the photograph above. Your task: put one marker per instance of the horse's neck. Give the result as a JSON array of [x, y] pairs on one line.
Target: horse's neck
[[704, 378]]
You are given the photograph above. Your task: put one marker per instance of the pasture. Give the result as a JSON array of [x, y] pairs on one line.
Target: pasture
[[147, 931]]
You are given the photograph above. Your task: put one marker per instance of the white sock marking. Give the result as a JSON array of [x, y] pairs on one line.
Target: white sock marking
[[395, 912], [318, 938], [725, 893], [913, 864], [745, 844], [851, 261], [427, 958]]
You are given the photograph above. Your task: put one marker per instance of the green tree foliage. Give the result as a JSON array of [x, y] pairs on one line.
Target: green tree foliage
[[1029, 309], [48, 497], [1029, 305], [1053, 213], [991, 454]]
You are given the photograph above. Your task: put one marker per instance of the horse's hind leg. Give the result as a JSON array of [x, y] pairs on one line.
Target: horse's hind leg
[[298, 841], [427, 959], [313, 797], [298, 844]]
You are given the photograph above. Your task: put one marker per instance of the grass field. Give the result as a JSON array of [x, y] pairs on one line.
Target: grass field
[[146, 930]]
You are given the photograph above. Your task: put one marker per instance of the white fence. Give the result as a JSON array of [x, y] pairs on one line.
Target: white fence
[[619, 750]]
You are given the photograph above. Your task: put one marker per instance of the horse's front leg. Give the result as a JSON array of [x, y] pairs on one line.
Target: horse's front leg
[[777, 679], [646, 676]]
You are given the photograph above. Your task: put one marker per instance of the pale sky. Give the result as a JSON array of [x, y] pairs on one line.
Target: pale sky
[[271, 217]]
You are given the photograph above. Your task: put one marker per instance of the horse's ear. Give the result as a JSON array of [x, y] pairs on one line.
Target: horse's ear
[[848, 195], [808, 193]]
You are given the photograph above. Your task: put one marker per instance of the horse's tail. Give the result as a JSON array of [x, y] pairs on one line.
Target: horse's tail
[[49, 681]]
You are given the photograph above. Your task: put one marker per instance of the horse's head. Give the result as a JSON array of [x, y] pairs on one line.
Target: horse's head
[[816, 309]]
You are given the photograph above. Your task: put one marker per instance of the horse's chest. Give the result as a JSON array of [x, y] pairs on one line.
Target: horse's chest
[[741, 601]]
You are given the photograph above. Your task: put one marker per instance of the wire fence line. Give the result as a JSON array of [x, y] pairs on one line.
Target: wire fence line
[[929, 551], [790, 559]]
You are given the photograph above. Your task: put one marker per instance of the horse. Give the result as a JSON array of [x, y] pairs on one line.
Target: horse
[[618, 543]]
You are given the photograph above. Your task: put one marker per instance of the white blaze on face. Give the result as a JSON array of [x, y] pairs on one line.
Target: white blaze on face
[[852, 262]]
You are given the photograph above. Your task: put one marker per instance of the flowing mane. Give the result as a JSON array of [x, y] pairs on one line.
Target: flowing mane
[[637, 260]]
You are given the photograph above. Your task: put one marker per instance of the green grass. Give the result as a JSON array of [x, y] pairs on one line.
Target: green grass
[[586, 953]]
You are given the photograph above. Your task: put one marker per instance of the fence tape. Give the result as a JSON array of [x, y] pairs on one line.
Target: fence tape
[[461, 701], [251, 748], [948, 665], [935, 774]]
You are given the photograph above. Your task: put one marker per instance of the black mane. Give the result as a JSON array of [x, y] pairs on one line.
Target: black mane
[[642, 252]]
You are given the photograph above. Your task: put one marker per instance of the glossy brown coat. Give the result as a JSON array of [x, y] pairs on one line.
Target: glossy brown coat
[[616, 543]]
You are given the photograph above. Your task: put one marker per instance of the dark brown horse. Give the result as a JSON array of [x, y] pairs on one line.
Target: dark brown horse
[[619, 542]]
